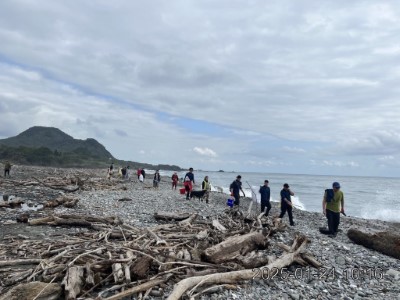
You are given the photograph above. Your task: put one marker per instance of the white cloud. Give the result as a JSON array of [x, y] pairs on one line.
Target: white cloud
[[299, 73], [205, 151]]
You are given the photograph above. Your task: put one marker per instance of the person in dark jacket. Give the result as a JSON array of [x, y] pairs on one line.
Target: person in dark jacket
[[189, 182], [7, 168], [265, 197], [156, 179], [286, 203], [235, 187]]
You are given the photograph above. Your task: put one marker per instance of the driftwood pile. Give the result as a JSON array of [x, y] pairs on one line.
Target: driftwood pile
[[112, 260]]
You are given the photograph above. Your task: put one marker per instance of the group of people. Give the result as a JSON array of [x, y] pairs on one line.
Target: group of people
[[332, 205], [123, 172]]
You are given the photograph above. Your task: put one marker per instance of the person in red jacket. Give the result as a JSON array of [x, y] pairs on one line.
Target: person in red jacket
[[175, 180]]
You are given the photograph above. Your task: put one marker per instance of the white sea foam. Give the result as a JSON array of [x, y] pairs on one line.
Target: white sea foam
[[382, 214]]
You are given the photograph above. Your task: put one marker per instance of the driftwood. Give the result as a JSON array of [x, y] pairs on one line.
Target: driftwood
[[385, 242], [112, 257], [19, 262], [56, 221], [234, 246], [140, 288], [73, 282], [12, 204], [171, 216], [67, 190], [63, 200], [34, 290], [236, 276], [76, 220]]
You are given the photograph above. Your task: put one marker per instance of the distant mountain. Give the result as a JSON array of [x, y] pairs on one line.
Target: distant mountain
[[49, 146], [56, 140]]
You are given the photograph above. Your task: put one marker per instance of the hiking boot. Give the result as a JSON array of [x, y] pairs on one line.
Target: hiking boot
[[292, 224]]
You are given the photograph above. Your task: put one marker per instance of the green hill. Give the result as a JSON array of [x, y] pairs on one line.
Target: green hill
[[56, 140], [49, 146]]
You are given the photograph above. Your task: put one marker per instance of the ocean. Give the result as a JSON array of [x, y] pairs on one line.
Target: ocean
[[365, 197]]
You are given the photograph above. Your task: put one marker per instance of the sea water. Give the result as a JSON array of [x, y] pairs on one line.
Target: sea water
[[365, 197]]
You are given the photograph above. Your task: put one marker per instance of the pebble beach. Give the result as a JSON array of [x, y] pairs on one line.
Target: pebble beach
[[350, 271]]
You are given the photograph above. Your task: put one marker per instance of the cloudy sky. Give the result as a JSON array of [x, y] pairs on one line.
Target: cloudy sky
[[304, 87]]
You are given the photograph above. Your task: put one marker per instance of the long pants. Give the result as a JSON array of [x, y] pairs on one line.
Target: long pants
[[237, 199], [6, 171], [174, 183], [188, 188], [206, 195], [286, 208], [265, 204], [333, 221]]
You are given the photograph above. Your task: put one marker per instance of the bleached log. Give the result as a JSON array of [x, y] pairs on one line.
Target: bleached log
[[118, 273], [19, 262], [73, 282], [188, 221], [216, 224], [129, 254], [234, 246]]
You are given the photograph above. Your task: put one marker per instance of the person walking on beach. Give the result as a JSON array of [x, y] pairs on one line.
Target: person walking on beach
[[205, 186], [175, 180], [235, 187], [138, 172], [286, 203], [124, 173], [7, 169], [143, 174], [156, 179], [332, 206], [110, 171], [189, 182], [265, 198]]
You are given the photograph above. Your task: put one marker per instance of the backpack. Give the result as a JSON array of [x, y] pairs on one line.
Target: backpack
[[329, 195]]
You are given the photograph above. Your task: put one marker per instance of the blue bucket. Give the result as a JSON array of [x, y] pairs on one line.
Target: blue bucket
[[230, 202]]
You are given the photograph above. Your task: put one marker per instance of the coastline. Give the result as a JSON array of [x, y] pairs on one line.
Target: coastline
[[339, 254]]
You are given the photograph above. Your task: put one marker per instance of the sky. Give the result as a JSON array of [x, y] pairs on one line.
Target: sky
[[300, 87]]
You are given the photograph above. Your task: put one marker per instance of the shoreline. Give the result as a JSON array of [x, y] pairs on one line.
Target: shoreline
[[339, 254]]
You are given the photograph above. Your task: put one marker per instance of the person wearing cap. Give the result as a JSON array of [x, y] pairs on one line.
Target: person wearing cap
[[332, 206], [286, 203], [265, 197], [235, 187]]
